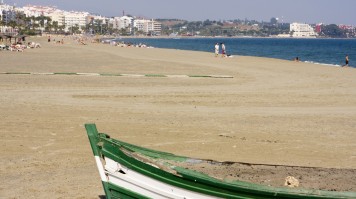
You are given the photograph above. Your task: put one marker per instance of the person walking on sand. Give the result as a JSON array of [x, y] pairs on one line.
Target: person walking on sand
[[223, 50], [217, 49]]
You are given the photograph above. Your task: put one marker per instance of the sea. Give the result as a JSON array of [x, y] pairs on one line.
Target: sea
[[331, 52]]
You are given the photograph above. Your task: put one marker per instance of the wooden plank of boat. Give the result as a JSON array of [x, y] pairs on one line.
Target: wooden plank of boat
[[129, 171]]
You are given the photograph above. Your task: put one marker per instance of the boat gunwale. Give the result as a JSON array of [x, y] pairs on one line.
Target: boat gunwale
[[189, 179]]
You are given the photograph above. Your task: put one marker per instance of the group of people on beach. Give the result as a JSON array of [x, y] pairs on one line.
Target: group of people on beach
[[54, 40], [125, 44], [223, 50], [19, 46]]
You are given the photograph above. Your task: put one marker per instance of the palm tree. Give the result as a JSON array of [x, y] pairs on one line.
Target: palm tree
[[33, 22], [12, 24], [49, 27], [35, 26], [55, 26], [49, 21], [20, 20], [27, 21], [75, 29], [41, 20], [61, 28]]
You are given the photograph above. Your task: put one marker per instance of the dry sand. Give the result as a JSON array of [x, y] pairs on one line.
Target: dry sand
[[271, 112]]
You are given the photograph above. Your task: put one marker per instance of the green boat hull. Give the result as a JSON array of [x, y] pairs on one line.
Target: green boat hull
[[129, 171]]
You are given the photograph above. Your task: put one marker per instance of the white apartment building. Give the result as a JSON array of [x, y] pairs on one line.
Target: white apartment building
[[58, 16], [48, 11], [72, 19], [80, 19], [157, 28], [302, 30], [148, 26], [122, 22], [7, 12], [139, 24], [68, 19], [5, 7]]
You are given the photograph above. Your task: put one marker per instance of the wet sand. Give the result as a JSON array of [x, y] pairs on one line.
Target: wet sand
[[270, 112]]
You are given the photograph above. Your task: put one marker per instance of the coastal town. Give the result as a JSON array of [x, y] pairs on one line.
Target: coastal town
[[37, 19]]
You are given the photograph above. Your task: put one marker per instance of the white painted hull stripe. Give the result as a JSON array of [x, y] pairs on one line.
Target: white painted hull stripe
[[101, 169], [147, 186]]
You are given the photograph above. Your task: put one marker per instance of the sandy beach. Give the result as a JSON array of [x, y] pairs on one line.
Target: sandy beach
[[271, 112]]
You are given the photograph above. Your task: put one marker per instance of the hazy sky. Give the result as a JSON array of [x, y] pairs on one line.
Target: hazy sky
[[309, 11]]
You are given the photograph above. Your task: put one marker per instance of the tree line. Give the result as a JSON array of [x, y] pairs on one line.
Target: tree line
[[36, 25], [243, 28]]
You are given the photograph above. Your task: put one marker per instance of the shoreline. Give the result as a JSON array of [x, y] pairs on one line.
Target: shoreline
[[271, 56], [226, 37]]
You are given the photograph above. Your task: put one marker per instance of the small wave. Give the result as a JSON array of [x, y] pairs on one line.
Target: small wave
[[324, 64]]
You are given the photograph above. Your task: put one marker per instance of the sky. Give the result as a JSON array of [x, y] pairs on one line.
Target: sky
[[303, 11]]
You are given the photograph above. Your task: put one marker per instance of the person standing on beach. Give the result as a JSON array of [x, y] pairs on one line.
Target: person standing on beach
[[223, 50], [347, 60], [216, 49]]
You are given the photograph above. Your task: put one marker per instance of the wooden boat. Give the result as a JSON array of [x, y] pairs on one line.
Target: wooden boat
[[129, 171]]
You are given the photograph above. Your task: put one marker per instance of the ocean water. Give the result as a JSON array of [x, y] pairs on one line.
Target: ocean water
[[319, 51]]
